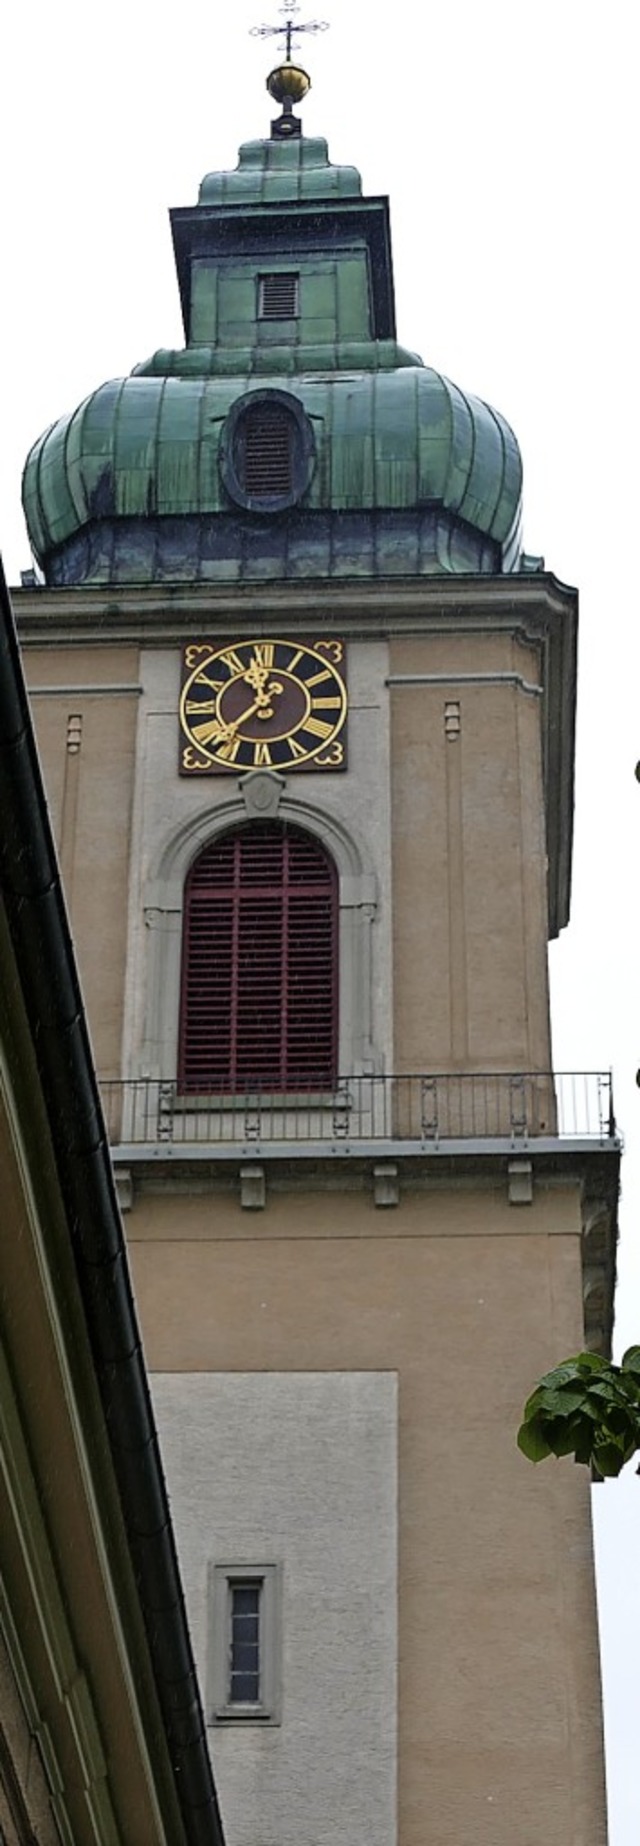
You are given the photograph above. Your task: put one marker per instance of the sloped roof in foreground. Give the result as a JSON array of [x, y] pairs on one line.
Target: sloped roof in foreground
[[91, 1606]]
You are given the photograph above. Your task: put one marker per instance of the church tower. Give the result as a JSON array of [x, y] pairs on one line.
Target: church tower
[[306, 711]]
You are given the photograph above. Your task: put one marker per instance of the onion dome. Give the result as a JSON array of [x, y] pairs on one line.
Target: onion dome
[[292, 435]]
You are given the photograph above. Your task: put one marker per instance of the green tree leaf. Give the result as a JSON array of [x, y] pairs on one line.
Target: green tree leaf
[[605, 1388], [563, 1403], [567, 1373], [569, 1436], [584, 1445], [609, 1459], [532, 1442]]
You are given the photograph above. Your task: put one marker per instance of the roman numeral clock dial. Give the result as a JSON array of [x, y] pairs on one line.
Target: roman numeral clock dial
[[263, 705]]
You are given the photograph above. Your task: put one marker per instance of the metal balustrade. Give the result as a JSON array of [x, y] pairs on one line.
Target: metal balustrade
[[427, 1112]]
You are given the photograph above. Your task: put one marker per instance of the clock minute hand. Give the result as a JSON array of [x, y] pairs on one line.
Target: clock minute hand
[[261, 701], [215, 731]]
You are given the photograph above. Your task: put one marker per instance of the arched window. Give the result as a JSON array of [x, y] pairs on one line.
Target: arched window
[[259, 964]]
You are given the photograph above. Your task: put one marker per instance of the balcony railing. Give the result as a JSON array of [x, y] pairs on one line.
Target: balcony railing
[[427, 1113]]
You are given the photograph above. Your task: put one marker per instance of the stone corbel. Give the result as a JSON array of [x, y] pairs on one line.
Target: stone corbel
[[520, 1182], [124, 1188], [253, 1190], [386, 1184]]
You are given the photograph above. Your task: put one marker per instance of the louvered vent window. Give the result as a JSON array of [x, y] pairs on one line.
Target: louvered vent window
[[278, 297], [267, 451], [268, 435], [259, 976]]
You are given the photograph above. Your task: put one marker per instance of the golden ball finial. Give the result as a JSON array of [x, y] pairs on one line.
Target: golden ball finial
[[288, 83]]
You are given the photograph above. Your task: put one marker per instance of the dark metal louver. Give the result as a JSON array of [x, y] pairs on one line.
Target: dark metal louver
[[259, 977], [278, 296], [268, 438]]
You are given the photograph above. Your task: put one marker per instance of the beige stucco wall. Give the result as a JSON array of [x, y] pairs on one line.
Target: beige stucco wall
[[89, 771], [468, 1299], [469, 858]]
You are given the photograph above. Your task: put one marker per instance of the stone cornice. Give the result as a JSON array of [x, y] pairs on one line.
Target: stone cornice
[[103, 615]]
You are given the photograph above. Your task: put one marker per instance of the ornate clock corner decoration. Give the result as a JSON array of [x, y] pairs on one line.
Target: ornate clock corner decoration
[[263, 704]]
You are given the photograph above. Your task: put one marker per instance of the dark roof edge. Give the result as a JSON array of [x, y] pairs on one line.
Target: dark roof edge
[[44, 956]]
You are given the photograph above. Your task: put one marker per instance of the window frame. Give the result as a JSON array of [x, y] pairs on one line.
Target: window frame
[[223, 1578]]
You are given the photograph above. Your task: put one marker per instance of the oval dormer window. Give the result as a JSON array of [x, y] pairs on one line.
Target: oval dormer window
[[267, 451]]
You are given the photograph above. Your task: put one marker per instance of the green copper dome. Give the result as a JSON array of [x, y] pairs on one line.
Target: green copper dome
[[291, 436]]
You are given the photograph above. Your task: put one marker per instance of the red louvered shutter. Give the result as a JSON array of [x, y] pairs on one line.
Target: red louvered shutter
[[259, 965]]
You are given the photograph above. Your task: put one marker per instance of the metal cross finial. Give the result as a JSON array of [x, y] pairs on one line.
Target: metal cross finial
[[289, 28]]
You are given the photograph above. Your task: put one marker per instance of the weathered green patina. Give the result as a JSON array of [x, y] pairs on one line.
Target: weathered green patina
[[279, 172], [409, 473]]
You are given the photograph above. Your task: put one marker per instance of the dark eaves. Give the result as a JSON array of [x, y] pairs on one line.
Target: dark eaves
[[31, 889]]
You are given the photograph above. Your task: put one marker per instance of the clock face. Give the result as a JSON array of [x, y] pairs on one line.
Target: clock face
[[263, 705]]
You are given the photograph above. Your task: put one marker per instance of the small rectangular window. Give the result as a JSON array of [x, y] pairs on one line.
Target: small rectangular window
[[244, 1643], [246, 1665], [278, 296]]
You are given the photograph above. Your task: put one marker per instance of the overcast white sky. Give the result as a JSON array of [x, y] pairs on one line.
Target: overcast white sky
[[507, 139]]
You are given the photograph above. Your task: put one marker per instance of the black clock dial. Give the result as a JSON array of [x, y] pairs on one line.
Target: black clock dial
[[263, 704]]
